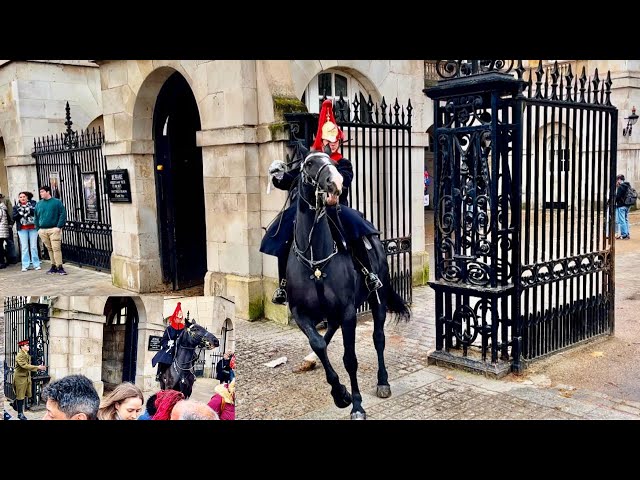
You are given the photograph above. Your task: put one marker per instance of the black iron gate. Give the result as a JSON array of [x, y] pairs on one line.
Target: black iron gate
[[378, 143], [24, 320], [73, 165], [216, 357], [525, 183]]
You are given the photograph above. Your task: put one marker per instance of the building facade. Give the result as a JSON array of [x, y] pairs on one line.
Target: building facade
[[111, 339], [196, 138]]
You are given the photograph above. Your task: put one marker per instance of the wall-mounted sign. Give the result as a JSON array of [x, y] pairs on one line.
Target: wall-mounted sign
[[155, 343], [90, 195], [118, 186], [54, 183]]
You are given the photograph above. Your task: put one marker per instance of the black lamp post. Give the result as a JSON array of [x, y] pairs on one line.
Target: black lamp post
[[631, 120]]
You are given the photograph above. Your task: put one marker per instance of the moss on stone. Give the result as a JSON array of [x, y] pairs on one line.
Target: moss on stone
[[277, 129], [256, 309], [421, 277], [282, 105]]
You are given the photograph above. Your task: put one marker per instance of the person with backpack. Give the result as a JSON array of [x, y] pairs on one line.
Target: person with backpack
[[626, 196]]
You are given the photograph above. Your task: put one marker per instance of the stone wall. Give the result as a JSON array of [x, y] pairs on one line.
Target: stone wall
[[33, 95], [113, 354]]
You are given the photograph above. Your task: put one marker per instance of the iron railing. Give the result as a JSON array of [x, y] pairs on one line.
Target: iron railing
[[73, 165], [525, 175]]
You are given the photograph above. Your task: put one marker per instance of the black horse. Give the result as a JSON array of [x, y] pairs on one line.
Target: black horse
[[180, 375], [323, 283]]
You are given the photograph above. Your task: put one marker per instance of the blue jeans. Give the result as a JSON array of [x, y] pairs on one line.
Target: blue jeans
[[622, 221], [29, 244]]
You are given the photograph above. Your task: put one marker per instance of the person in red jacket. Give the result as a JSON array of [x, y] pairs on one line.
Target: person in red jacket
[[224, 400]]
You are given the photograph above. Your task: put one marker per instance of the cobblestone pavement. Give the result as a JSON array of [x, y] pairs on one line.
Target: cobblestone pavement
[[419, 391], [79, 281], [582, 389]]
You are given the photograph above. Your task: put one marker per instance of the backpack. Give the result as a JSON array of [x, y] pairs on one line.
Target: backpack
[[631, 196]]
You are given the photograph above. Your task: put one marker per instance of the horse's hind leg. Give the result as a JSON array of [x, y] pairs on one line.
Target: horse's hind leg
[[341, 396], [379, 313], [351, 363]]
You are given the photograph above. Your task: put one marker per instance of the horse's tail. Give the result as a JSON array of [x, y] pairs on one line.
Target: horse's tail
[[397, 305]]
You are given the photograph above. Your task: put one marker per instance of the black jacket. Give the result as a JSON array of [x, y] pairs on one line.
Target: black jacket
[[621, 193]]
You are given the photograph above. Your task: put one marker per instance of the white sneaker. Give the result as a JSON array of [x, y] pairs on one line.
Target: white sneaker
[[37, 268], [24, 269]]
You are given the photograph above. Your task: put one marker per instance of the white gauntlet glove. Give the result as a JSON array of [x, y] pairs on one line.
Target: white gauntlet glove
[[276, 170], [277, 166]]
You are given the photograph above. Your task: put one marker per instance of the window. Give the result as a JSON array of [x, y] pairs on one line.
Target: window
[[333, 85], [561, 153]]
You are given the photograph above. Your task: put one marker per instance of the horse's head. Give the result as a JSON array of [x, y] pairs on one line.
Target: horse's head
[[199, 336], [319, 171]]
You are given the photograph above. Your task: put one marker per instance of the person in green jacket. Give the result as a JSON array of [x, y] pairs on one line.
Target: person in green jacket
[[22, 376], [50, 217]]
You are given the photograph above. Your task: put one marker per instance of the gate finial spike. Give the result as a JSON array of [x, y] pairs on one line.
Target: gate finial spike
[[569, 78], [583, 80], [539, 73], [596, 83], [520, 70], [607, 91], [554, 81]]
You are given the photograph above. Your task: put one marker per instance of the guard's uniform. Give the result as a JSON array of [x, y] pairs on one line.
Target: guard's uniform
[[164, 357], [348, 226]]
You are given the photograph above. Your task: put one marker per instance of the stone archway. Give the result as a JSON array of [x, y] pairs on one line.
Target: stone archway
[[120, 341], [179, 185]]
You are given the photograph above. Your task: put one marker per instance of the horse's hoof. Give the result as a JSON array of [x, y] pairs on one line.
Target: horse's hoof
[[342, 399], [358, 416], [304, 367], [383, 391]]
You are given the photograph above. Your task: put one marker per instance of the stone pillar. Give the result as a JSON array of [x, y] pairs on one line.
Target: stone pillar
[[75, 339], [135, 262], [150, 323]]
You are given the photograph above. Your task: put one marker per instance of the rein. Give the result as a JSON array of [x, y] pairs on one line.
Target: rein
[[320, 210], [190, 363]]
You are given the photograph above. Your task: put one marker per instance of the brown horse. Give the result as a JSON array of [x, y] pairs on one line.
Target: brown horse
[[180, 375]]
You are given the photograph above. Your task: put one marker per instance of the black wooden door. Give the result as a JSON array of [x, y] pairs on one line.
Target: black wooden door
[[179, 184]]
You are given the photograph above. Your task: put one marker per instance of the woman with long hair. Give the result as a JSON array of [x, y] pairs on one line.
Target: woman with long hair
[[24, 215], [123, 403]]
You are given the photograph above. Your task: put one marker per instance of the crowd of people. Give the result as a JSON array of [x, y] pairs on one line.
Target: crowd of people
[[42, 220], [74, 397]]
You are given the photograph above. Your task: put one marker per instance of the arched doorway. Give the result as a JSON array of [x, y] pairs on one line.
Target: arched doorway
[[227, 344], [179, 185], [120, 341]]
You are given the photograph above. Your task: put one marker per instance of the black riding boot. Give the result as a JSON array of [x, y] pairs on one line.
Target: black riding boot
[[21, 415], [363, 263], [280, 295], [161, 369]]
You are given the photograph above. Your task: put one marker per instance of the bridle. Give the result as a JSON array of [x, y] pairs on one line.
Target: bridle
[[320, 210], [188, 366]]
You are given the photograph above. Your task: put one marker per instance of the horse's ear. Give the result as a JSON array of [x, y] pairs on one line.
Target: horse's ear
[[190, 322]]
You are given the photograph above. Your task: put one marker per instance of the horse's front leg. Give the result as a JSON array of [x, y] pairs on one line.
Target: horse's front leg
[[341, 396], [378, 311], [351, 362], [332, 328]]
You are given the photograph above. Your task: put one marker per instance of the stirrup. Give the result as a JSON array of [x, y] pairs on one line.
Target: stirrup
[[279, 296], [372, 281]]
